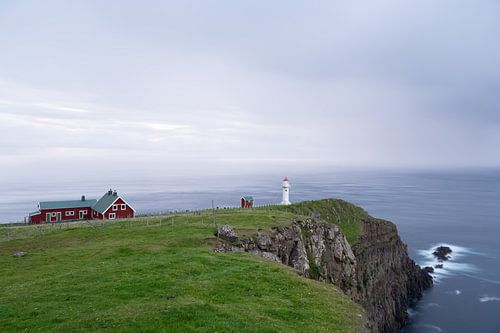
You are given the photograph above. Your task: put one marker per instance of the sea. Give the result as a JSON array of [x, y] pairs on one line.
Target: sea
[[459, 209]]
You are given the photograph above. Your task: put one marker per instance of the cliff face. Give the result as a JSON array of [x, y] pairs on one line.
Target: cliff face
[[377, 272], [315, 249], [388, 280]]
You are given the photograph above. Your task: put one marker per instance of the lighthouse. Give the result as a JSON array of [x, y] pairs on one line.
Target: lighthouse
[[286, 192]]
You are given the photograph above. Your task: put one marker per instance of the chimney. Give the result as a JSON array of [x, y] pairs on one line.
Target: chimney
[[110, 192], [83, 198], [114, 193]]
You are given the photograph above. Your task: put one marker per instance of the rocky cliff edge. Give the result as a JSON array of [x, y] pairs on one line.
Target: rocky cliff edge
[[376, 271]]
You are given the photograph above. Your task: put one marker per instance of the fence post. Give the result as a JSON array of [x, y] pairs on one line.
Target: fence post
[[213, 213]]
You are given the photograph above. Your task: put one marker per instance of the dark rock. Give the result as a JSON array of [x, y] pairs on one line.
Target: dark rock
[[388, 280], [438, 266], [227, 233], [263, 241], [20, 254], [428, 269], [442, 253]]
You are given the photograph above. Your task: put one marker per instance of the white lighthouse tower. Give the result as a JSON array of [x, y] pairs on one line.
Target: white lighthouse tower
[[286, 192]]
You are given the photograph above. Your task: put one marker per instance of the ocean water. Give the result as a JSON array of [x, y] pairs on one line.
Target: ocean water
[[458, 209]]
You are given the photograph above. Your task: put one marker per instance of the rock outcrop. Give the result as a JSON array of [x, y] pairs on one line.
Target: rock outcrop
[[376, 272], [315, 249], [227, 233], [442, 253]]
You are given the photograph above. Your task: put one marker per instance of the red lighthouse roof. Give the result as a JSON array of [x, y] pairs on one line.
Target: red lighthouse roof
[[286, 179]]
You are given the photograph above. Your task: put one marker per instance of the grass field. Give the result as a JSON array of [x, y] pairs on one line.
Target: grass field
[[159, 274]]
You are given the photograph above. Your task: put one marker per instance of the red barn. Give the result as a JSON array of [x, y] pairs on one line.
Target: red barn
[[110, 206], [247, 202]]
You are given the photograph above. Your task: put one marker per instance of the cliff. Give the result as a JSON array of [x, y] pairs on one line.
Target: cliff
[[388, 280], [375, 271]]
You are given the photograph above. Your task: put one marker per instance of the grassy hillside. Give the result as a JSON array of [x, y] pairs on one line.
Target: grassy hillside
[[347, 216], [159, 275]]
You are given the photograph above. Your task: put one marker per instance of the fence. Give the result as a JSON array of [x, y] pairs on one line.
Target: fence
[[12, 232], [203, 217]]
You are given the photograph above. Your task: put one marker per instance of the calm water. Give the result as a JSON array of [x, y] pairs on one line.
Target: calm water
[[460, 209]]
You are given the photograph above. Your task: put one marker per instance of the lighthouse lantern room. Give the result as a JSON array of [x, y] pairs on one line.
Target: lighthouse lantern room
[[286, 192]]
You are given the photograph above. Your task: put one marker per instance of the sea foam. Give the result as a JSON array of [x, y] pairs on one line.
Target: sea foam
[[430, 328], [451, 267], [487, 298]]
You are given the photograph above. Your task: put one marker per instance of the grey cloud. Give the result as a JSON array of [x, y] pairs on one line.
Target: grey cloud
[[243, 84]]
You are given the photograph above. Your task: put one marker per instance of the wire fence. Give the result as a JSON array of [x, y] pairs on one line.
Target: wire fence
[[202, 217], [13, 232]]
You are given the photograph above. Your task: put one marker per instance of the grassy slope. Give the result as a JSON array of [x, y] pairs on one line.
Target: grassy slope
[[140, 276], [347, 216]]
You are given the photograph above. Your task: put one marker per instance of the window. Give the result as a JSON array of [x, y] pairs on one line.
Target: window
[[124, 207], [115, 208], [69, 213], [53, 214], [112, 216]]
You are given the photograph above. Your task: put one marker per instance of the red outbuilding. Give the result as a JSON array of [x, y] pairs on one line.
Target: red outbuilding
[[110, 206], [247, 202]]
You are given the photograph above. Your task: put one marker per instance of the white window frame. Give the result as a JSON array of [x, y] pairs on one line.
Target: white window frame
[[115, 208], [123, 206], [82, 214], [112, 216], [69, 213], [53, 214]]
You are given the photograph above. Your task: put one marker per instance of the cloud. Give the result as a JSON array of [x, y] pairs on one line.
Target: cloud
[[157, 126], [248, 84], [60, 108]]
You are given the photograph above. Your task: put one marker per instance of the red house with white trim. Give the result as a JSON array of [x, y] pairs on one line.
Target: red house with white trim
[[110, 206]]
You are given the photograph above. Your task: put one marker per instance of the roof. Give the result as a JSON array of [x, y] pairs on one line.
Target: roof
[[248, 198], [286, 179], [67, 204], [34, 213], [107, 200]]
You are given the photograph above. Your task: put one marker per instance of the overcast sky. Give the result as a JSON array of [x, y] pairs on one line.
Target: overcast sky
[[192, 87]]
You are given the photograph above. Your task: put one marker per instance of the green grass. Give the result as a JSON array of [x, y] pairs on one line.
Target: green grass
[[142, 276]]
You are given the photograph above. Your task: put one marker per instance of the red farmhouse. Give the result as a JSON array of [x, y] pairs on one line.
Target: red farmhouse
[[110, 206]]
